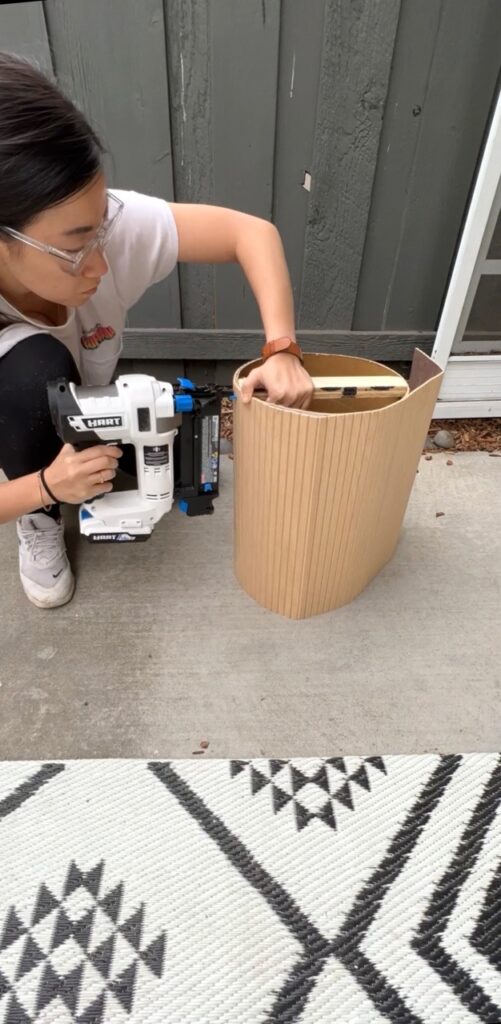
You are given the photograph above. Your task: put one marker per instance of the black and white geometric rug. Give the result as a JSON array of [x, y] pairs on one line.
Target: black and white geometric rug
[[322, 891]]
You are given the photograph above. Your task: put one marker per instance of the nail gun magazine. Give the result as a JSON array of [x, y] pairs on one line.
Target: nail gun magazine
[[175, 431]]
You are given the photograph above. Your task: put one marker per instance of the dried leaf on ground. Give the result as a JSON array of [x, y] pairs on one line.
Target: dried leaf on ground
[[227, 419], [471, 435]]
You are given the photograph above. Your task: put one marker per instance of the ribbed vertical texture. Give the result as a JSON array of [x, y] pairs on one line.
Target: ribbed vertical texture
[[320, 496]]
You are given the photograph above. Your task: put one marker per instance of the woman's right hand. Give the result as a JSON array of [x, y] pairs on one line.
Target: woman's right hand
[[74, 476]]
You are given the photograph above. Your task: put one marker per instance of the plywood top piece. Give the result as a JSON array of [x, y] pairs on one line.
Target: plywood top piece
[[354, 385]]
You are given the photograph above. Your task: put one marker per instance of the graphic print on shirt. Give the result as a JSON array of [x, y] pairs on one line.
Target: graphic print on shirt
[[93, 339]]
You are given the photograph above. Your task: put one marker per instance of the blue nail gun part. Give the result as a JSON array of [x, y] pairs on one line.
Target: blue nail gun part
[[188, 385], [183, 403], [84, 514], [207, 487], [183, 505]]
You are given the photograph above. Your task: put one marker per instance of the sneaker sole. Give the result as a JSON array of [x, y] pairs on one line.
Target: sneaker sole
[[45, 599]]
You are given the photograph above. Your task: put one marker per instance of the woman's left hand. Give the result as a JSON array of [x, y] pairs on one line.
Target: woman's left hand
[[285, 380]]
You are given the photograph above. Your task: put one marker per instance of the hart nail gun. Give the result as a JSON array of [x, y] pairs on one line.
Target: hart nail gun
[[175, 432]]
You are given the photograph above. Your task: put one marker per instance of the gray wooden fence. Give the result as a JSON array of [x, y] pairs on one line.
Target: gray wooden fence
[[355, 125]]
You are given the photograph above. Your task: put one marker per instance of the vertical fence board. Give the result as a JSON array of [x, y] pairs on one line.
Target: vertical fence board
[[190, 90], [301, 32], [358, 45], [23, 31], [443, 80], [233, 101], [201, 371], [244, 38], [110, 57], [226, 370]]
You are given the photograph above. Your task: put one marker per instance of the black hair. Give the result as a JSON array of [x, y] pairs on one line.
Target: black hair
[[48, 150]]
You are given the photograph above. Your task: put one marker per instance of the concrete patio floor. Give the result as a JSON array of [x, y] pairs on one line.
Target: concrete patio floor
[[161, 649]]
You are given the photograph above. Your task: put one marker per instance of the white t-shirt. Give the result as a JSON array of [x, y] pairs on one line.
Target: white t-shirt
[[142, 250]]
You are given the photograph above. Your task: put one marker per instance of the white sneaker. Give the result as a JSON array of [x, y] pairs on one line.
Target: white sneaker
[[44, 568]]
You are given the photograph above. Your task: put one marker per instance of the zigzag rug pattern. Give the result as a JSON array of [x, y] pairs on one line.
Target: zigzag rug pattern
[[361, 890]]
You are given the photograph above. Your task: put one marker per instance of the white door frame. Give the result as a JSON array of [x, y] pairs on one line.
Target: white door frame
[[462, 392]]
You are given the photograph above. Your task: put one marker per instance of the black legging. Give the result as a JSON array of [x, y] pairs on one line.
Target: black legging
[[28, 440]]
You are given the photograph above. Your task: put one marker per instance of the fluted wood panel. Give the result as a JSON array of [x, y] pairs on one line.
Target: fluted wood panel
[[320, 495]]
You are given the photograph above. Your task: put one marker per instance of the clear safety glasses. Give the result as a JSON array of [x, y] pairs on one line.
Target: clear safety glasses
[[74, 261]]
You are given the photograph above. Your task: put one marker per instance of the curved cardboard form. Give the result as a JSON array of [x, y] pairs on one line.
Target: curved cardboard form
[[320, 495]]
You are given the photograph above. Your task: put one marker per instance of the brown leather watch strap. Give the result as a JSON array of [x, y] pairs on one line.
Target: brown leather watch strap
[[285, 344]]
